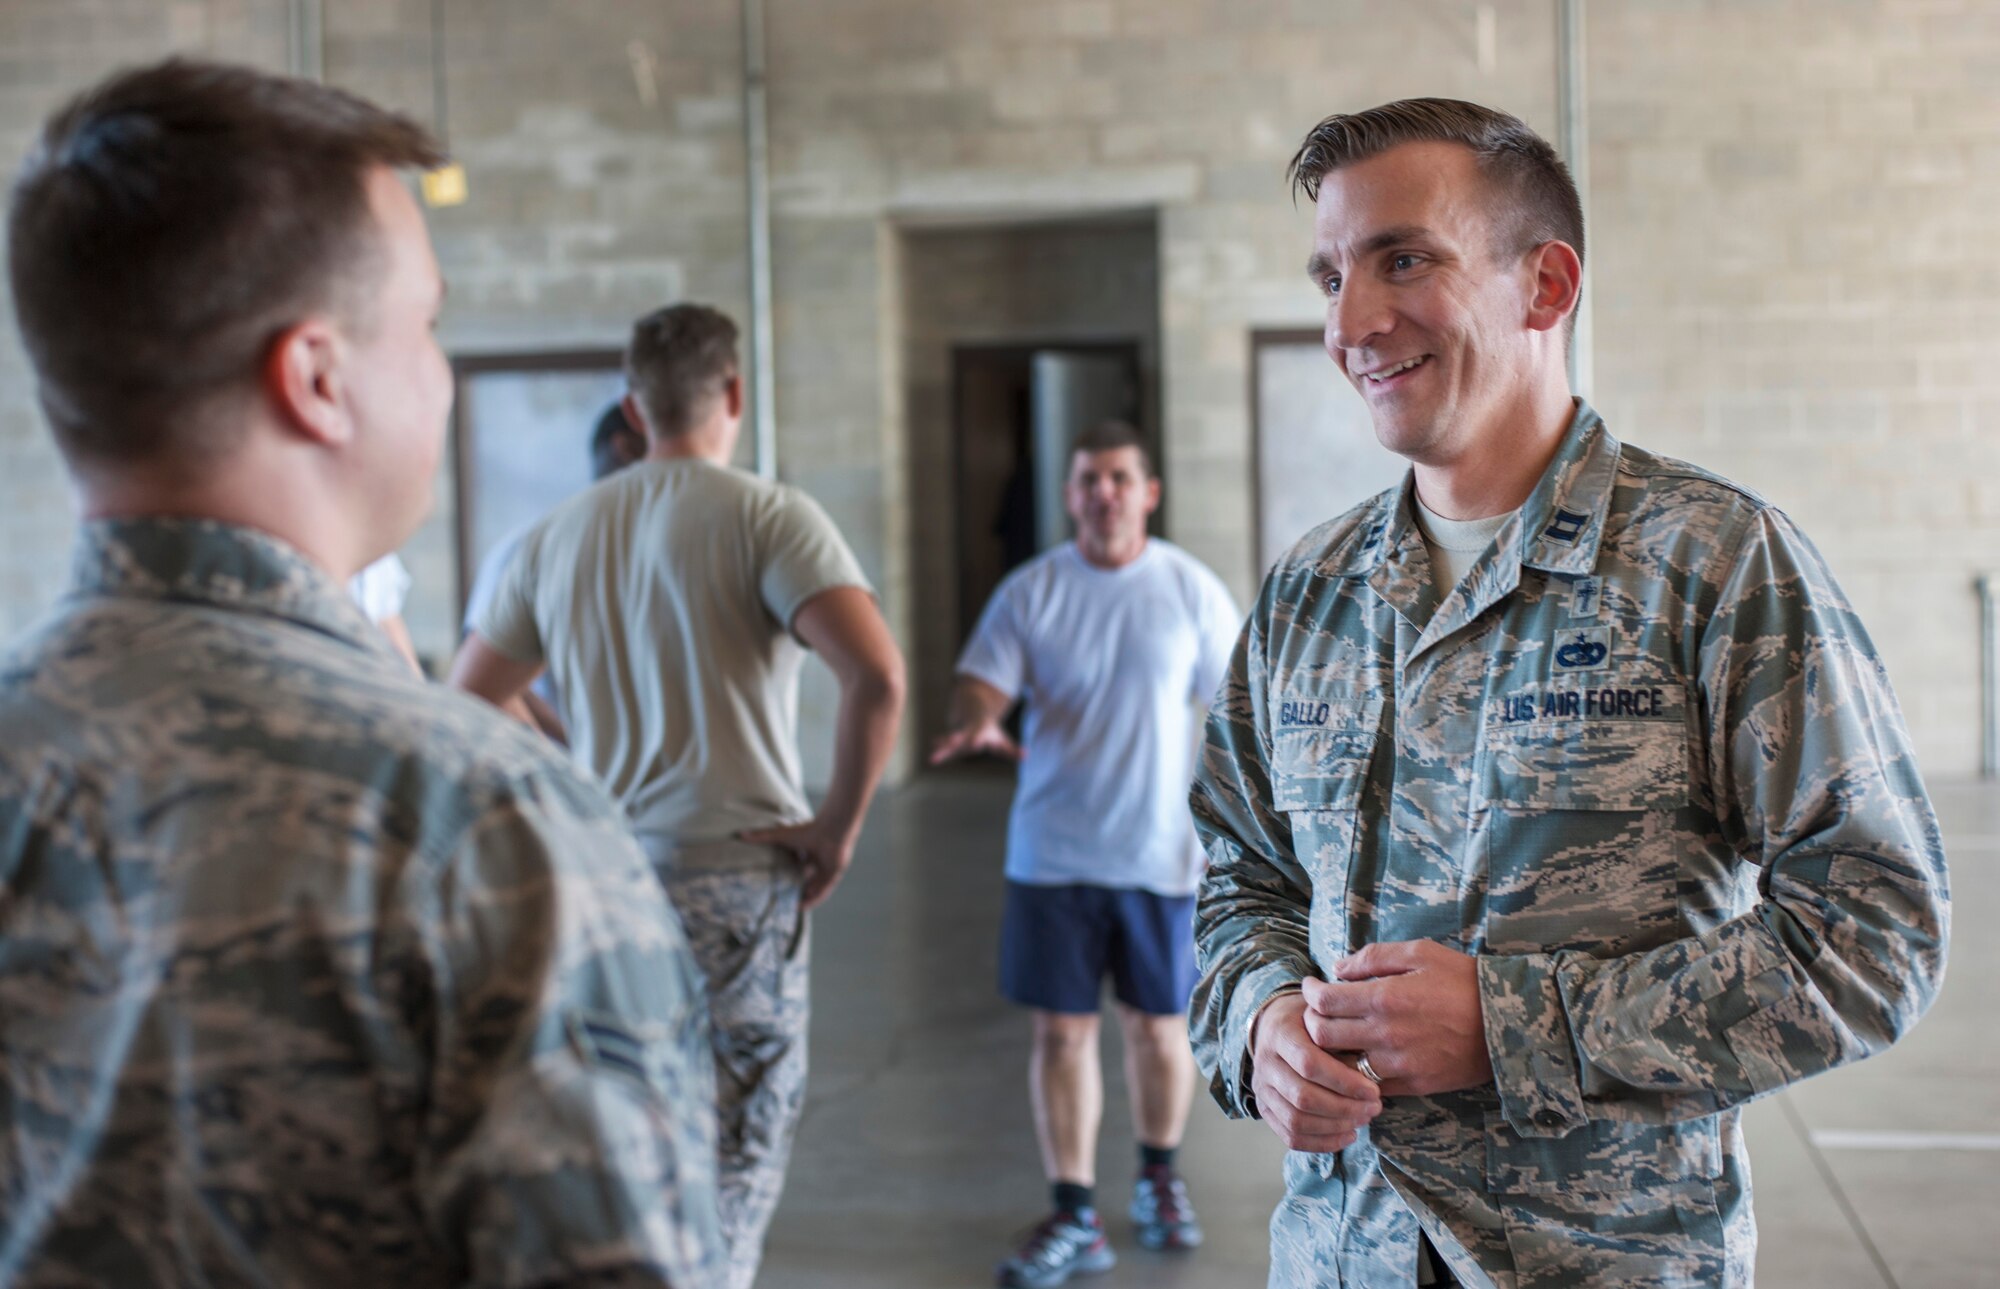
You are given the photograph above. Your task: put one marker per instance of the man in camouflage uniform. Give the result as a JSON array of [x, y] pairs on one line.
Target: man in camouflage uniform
[[310, 973], [1532, 860], [674, 603]]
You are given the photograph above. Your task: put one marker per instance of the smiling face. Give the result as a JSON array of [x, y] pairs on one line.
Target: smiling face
[[1427, 309]]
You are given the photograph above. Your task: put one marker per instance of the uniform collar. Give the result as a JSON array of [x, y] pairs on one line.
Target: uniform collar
[[205, 561], [1383, 526], [1561, 522]]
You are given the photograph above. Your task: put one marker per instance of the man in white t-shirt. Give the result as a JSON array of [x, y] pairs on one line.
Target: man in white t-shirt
[[1113, 641]]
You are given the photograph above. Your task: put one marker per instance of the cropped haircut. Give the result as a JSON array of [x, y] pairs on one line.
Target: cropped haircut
[[1109, 436], [1537, 199], [679, 360], [168, 224]]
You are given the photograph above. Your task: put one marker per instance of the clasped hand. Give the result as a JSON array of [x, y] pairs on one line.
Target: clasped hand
[[1412, 1006]]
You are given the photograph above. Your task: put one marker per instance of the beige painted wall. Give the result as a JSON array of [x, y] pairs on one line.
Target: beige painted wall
[[1796, 278]]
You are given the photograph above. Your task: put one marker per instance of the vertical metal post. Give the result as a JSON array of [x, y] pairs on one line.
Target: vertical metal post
[[305, 39], [756, 155], [1989, 676], [1575, 145], [440, 107]]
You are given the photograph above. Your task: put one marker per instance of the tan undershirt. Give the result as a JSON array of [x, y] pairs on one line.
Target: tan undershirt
[[1455, 545]]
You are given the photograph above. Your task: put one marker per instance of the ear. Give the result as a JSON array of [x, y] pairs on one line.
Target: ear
[[1558, 284], [304, 382], [1152, 493], [634, 417], [732, 395]]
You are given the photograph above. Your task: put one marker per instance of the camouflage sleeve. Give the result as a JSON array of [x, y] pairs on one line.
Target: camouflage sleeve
[[1813, 780], [570, 1135], [1251, 919]]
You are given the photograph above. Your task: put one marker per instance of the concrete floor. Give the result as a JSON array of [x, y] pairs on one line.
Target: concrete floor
[[916, 1164]]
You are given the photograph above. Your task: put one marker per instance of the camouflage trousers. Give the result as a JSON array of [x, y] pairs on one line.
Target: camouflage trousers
[[1328, 1197], [1346, 1220], [740, 906]]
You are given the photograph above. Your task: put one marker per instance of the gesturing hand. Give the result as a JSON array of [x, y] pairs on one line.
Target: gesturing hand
[[1412, 1007], [1313, 1101], [823, 855], [973, 740]]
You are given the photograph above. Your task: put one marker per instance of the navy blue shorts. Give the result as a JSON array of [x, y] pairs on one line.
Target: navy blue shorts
[[1057, 943]]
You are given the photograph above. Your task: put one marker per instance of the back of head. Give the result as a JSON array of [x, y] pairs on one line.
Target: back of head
[[168, 224], [679, 361], [1534, 188], [614, 443]]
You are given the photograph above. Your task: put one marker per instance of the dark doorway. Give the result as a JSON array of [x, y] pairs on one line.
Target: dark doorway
[[1015, 409], [982, 307]]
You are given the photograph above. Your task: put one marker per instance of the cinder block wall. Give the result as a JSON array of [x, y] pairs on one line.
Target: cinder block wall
[[1798, 283], [1796, 280]]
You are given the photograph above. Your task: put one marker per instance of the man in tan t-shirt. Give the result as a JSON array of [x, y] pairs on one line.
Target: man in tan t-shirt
[[673, 602]]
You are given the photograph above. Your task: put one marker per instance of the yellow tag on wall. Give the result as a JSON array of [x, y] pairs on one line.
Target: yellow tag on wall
[[445, 186]]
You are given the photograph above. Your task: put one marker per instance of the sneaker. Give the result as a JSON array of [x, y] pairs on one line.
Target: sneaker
[[1161, 1211], [1064, 1245]]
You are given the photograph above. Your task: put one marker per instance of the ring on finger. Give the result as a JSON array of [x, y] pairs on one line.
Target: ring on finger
[[1367, 1069]]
